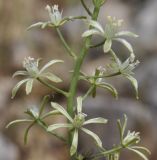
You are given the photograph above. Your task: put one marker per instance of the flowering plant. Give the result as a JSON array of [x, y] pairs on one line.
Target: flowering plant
[[76, 119]]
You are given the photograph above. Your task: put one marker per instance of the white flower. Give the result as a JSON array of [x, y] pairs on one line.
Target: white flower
[[77, 123], [54, 14], [110, 33], [33, 72], [131, 137]]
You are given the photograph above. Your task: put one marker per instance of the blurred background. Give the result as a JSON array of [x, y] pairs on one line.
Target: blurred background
[[16, 43]]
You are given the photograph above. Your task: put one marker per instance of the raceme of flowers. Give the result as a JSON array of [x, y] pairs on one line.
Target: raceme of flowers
[[32, 72], [78, 122]]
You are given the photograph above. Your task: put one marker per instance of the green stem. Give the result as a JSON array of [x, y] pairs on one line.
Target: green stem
[[71, 53], [86, 8], [88, 92], [53, 87], [75, 76]]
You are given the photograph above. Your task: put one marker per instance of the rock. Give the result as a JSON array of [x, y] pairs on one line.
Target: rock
[[8, 150]]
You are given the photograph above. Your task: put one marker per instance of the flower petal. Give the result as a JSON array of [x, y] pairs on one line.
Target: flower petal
[[109, 88], [29, 86], [52, 77], [39, 24], [79, 104], [93, 135], [141, 148], [74, 145], [96, 120], [49, 64], [134, 83], [18, 121], [107, 45], [17, 86], [90, 32], [139, 153], [53, 127], [20, 73], [96, 25], [126, 33], [125, 43], [62, 110]]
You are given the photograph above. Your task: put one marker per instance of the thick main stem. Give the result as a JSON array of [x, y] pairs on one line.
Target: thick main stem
[[75, 76]]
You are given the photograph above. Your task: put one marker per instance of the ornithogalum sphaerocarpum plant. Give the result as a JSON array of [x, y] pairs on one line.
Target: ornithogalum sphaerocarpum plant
[[73, 111]]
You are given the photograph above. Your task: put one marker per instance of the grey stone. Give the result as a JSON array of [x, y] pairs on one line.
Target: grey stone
[[8, 150]]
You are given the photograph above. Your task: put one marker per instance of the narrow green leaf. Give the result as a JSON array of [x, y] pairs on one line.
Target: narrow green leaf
[[74, 145], [90, 32], [107, 45], [139, 153], [126, 33], [18, 121], [62, 111], [125, 43], [29, 86], [96, 120], [49, 64], [53, 127], [17, 86], [52, 77], [20, 73], [93, 135], [79, 104], [134, 83]]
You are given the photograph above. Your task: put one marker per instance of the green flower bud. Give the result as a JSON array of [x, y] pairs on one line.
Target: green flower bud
[[79, 120]]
